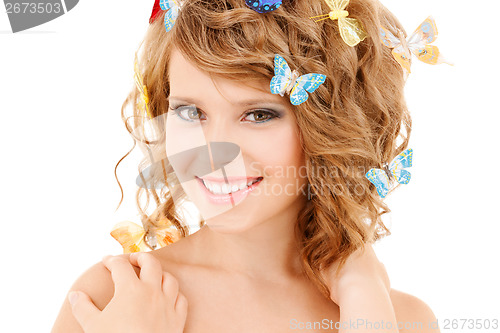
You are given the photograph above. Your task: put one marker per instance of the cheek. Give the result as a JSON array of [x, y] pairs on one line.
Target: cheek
[[277, 153]]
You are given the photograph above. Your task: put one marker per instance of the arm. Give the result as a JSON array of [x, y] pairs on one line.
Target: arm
[[376, 305], [361, 290], [95, 282], [368, 304], [141, 297], [413, 314], [365, 306]]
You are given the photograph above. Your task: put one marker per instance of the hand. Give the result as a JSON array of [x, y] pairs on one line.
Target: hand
[[150, 303], [361, 270]]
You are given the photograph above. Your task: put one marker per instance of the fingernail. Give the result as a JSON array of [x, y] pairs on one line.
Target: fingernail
[[72, 297]]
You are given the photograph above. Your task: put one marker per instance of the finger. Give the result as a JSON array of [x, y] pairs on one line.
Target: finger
[[122, 272], [151, 270], [82, 307], [181, 304], [170, 287], [181, 309]]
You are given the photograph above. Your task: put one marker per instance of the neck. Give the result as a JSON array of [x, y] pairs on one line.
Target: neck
[[267, 250]]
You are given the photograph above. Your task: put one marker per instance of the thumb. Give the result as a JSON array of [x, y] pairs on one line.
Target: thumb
[[83, 308]]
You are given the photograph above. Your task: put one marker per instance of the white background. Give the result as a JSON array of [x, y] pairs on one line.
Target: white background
[[62, 85]]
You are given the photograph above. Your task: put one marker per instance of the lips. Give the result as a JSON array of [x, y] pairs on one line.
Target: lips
[[231, 180], [231, 185], [230, 198]]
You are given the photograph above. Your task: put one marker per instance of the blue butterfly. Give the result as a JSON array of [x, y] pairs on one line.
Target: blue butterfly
[[383, 178], [287, 81], [263, 6], [172, 14]]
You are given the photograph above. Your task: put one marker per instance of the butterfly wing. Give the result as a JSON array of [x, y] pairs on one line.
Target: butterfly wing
[[403, 57], [167, 4], [139, 82], [309, 82], [170, 17], [429, 54], [402, 176], [388, 38], [397, 165], [138, 78], [281, 67], [166, 236], [419, 41], [399, 51], [379, 178], [282, 74], [351, 30], [337, 4], [130, 236], [263, 6], [403, 160], [425, 33]]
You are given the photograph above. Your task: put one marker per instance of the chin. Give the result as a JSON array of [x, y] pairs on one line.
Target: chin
[[228, 226]]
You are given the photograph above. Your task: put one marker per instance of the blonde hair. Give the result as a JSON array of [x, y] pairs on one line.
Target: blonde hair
[[350, 123]]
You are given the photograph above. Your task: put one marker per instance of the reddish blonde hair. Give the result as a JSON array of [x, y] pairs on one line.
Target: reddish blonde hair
[[348, 125]]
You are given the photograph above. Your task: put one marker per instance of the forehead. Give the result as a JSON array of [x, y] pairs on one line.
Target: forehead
[[188, 80]]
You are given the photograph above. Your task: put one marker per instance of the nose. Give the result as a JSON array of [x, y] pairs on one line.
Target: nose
[[183, 134], [223, 145], [219, 129], [204, 147], [214, 156]]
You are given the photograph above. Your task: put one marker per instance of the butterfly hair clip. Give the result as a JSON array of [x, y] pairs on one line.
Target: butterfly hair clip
[[133, 238], [385, 179], [351, 30], [263, 6], [143, 105], [418, 44], [286, 81], [172, 6]]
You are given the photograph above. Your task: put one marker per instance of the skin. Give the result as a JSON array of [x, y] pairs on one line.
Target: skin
[[240, 272]]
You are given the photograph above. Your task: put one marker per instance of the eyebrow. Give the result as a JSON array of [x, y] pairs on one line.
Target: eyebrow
[[249, 102]]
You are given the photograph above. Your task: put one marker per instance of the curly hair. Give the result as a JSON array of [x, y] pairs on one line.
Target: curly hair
[[348, 125]]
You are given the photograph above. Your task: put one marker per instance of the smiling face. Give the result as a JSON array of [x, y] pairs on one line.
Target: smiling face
[[227, 135]]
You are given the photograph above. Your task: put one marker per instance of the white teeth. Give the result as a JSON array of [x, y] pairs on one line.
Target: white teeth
[[217, 188], [225, 188]]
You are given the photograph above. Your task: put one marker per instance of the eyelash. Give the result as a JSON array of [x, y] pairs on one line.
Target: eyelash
[[177, 110]]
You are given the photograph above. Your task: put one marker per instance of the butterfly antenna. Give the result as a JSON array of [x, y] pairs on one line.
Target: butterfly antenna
[[322, 15], [325, 17]]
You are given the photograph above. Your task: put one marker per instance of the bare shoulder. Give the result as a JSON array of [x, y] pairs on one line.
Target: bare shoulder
[[413, 314], [96, 282]]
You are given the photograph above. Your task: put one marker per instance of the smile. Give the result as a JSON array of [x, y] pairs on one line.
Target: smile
[[235, 189]]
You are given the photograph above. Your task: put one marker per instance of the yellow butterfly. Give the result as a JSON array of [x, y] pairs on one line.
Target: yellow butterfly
[[418, 43], [133, 238], [144, 103], [351, 30]]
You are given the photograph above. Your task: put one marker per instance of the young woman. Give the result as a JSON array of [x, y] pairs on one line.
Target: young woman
[[278, 175]]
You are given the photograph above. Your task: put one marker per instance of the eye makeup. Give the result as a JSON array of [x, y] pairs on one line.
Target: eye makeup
[[192, 113]]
